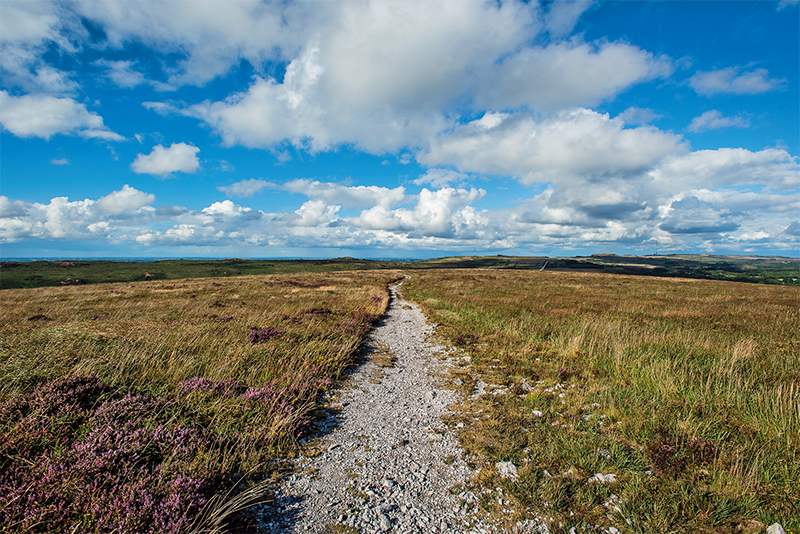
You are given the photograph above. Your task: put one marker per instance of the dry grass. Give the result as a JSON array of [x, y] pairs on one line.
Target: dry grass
[[687, 390], [156, 334], [237, 365]]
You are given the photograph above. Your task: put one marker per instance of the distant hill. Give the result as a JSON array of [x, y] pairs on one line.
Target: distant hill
[[753, 269]]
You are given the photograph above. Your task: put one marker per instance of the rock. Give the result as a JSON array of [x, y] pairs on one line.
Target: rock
[[430, 395], [600, 478], [385, 524], [776, 528], [507, 470], [537, 413]]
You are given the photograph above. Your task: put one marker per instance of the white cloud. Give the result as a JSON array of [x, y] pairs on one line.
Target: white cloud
[[126, 199], [349, 196], [384, 75], [27, 29], [576, 143], [178, 157], [60, 161], [314, 213], [638, 116], [115, 214], [714, 120], [441, 177], [562, 16], [564, 75], [732, 80], [726, 167], [245, 188], [44, 116], [122, 73], [210, 36]]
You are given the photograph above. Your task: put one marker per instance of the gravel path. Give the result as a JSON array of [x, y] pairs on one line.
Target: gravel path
[[388, 463]]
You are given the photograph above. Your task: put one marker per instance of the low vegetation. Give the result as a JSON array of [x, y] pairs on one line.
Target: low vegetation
[[643, 404], [16, 274], [160, 406], [164, 404]]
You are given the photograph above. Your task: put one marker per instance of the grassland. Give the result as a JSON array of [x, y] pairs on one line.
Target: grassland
[[137, 407], [15, 274], [688, 391], [152, 404], [761, 270]]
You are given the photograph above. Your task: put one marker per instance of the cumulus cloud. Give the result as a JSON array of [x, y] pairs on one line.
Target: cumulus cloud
[[693, 216], [564, 75], [244, 188], [178, 157], [115, 214], [733, 80], [384, 75], [60, 161], [579, 142], [714, 120], [39, 115], [126, 199], [726, 167], [350, 196]]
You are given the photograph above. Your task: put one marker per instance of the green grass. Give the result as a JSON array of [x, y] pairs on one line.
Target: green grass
[[687, 390]]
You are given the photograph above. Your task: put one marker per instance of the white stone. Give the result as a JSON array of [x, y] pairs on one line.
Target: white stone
[[600, 478], [776, 528], [506, 470]]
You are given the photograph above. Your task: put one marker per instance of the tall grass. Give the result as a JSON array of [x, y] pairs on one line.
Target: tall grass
[[133, 407], [688, 390]]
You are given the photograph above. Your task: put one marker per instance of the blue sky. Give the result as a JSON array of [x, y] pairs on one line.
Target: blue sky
[[398, 129]]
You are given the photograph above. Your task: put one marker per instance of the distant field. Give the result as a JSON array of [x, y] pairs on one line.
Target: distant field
[[761, 270], [68, 272], [687, 390], [135, 407]]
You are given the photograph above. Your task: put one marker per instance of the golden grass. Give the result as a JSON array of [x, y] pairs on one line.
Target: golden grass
[[157, 334]]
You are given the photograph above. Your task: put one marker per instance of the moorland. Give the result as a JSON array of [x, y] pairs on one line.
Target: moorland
[[166, 403]]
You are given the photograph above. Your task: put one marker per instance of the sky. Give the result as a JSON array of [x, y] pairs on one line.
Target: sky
[[398, 129]]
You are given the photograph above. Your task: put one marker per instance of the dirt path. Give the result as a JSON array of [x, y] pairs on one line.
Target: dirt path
[[388, 463]]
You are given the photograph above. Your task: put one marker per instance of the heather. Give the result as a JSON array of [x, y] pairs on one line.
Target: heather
[[686, 391], [162, 407]]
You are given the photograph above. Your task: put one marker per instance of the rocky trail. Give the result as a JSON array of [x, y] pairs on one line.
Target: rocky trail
[[387, 462]]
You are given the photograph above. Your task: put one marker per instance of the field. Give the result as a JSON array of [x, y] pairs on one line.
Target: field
[[760, 270], [74, 272], [166, 405], [139, 406], [687, 391]]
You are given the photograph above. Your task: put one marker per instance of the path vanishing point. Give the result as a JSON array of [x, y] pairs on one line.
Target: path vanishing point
[[388, 463]]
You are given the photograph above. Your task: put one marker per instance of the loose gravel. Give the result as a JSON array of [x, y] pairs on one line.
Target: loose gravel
[[387, 463]]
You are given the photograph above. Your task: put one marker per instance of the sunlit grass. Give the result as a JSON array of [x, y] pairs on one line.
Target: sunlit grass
[[688, 391], [175, 391]]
